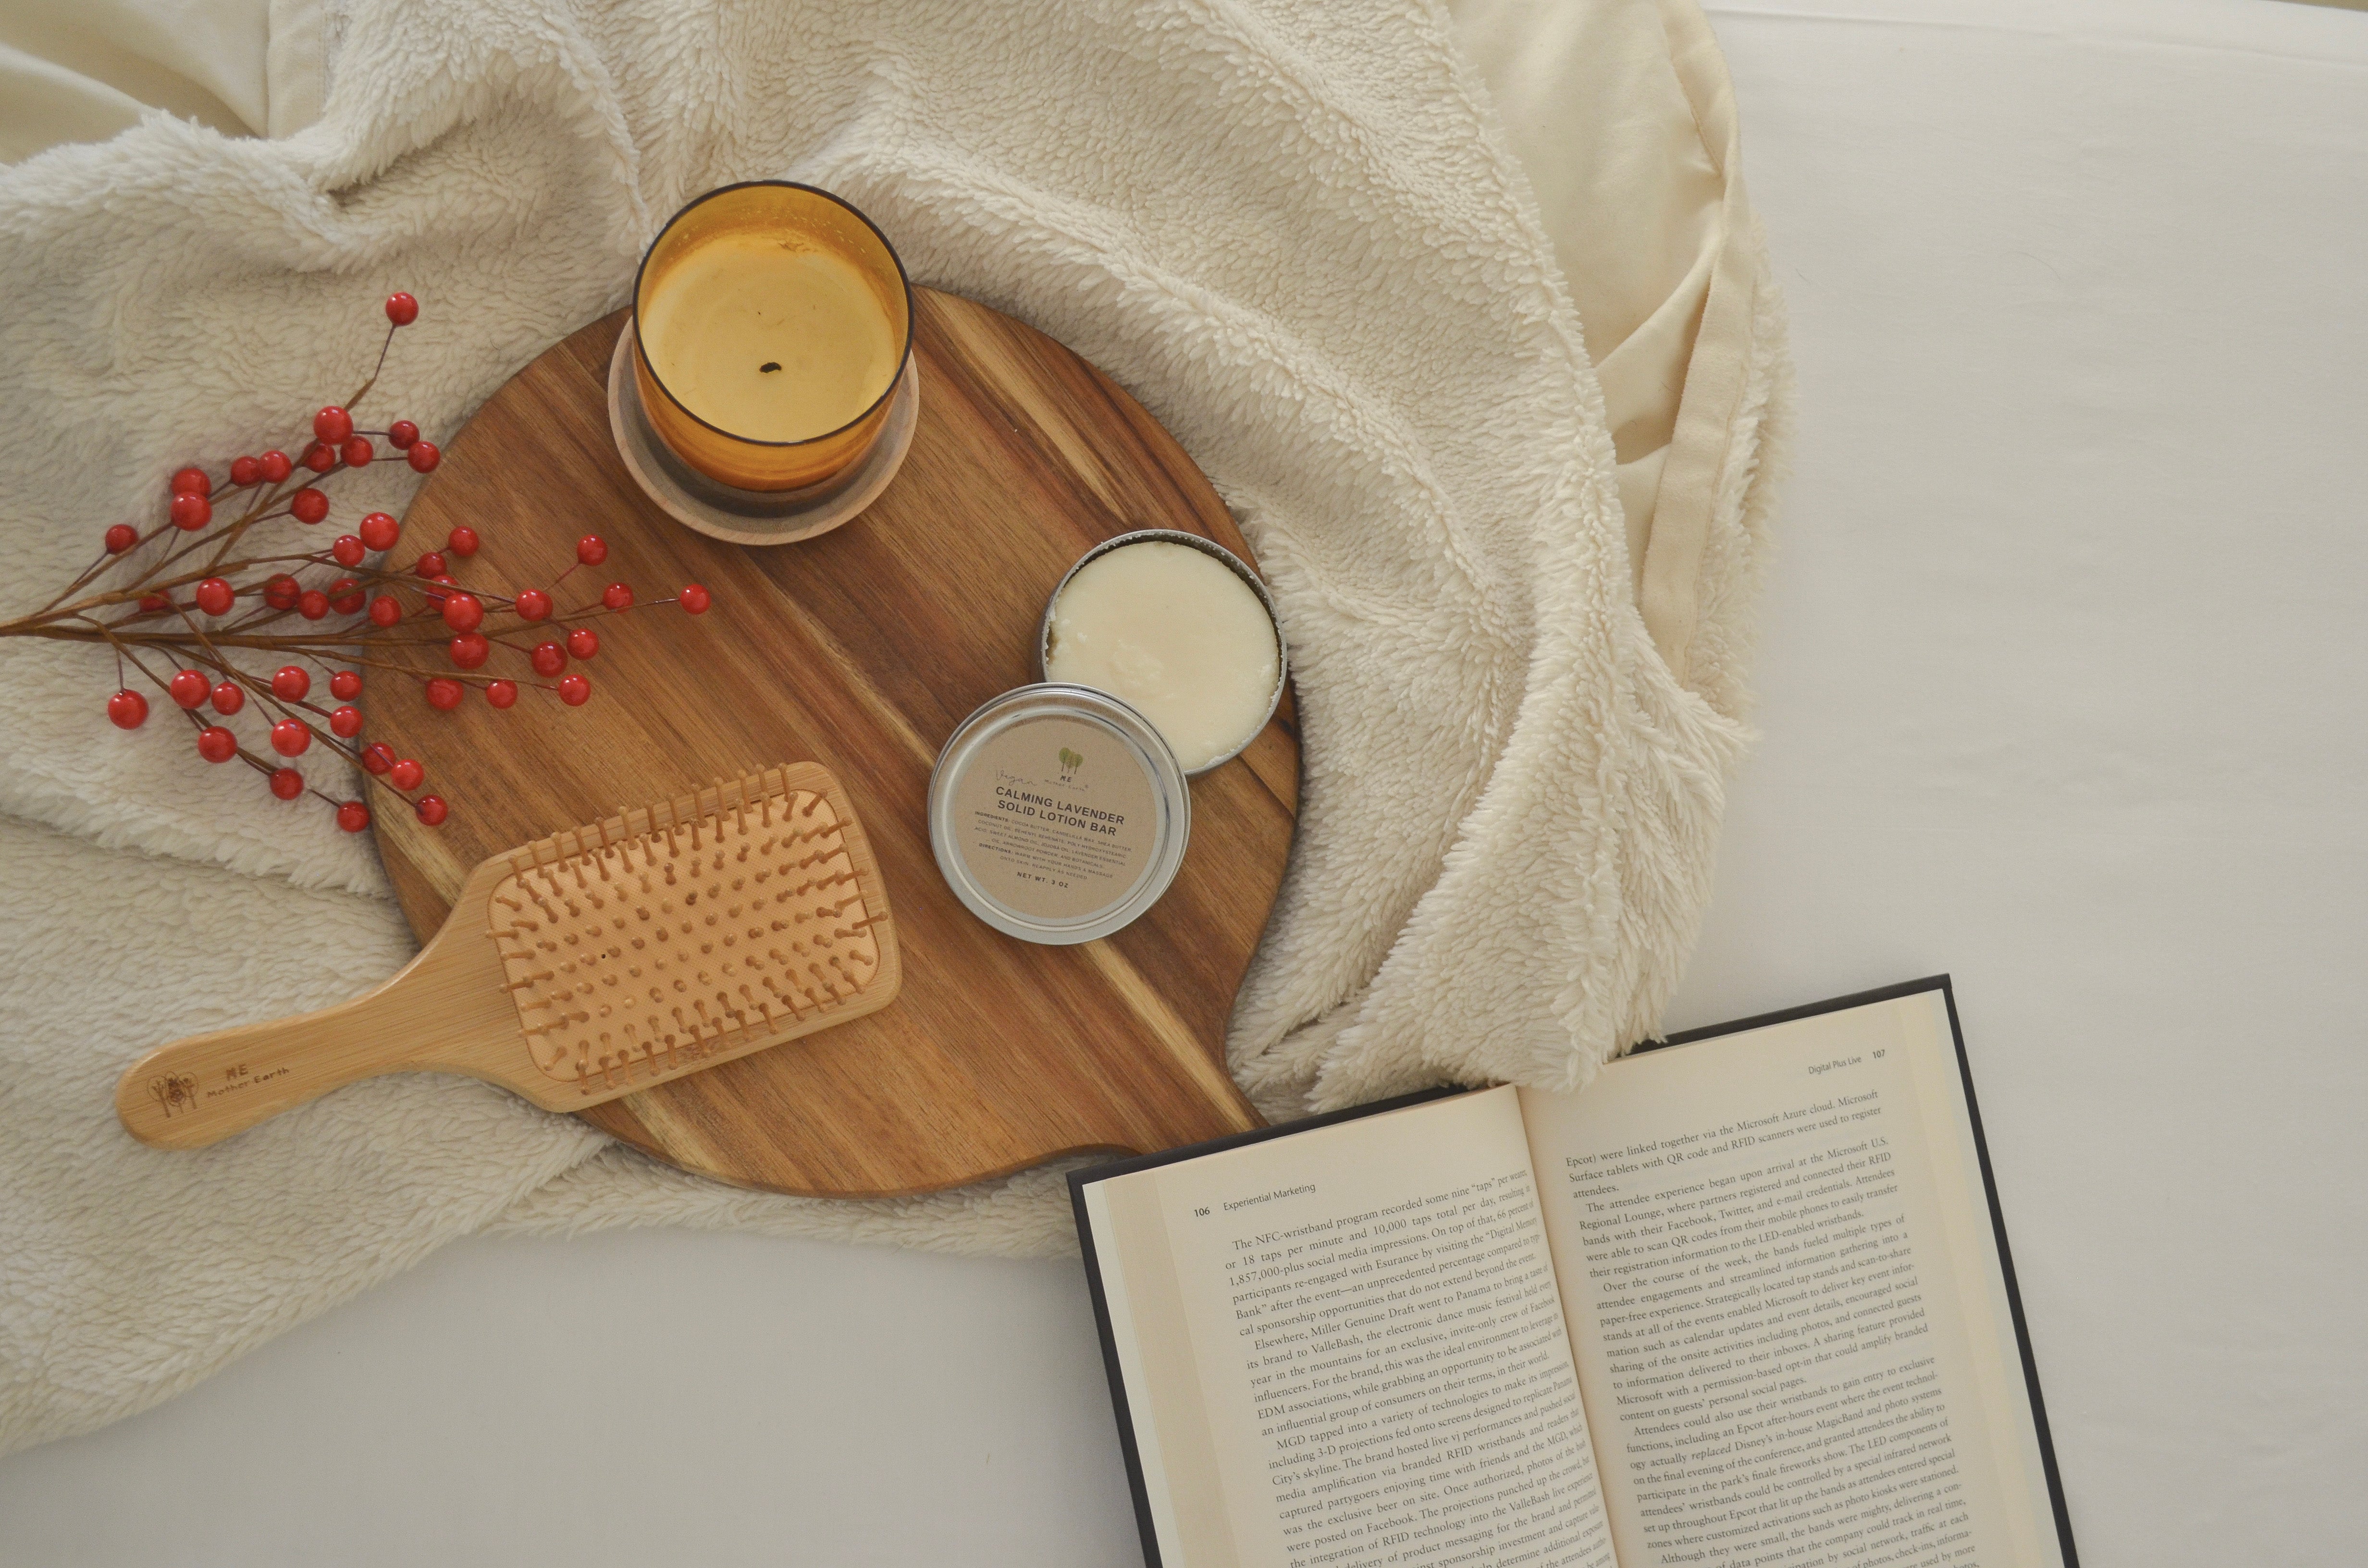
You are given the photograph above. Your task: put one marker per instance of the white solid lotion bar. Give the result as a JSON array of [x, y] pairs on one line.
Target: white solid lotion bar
[[1176, 635], [741, 304]]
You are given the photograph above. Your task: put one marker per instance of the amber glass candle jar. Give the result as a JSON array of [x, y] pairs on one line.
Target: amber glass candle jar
[[771, 321]]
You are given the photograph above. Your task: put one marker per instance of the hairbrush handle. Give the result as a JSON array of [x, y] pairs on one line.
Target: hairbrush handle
[[445, 1004]]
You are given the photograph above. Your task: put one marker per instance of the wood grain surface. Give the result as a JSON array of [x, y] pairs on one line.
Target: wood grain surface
[[861, 651]]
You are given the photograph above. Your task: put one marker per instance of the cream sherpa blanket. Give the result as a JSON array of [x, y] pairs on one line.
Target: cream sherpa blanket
[[1295, 231]]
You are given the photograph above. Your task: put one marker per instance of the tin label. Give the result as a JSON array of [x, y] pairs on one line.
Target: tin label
[[1053, 818]]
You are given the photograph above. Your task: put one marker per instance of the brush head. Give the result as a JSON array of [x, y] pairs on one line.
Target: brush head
[[672, 937]]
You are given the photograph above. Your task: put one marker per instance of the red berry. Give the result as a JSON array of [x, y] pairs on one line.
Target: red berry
[[401, 434], [333, 424], [229, 698], [464, 612], [214, 596], [430, 565], [307, 506], [346, 685], [469, 650], [385, 610], [320, 458], [216, 744], [694, 599], [189, 687], [287, 783], [445, 695], [353, 816], [423, 456], [406, 775], [313, 604], [346, 722], [191, 512], [128, 710], [275, 466], [591, 550], [192, 482], [356, 451], [348, 550], [281, 592], [401, 309], [575, 691], [463, 540], [583, 643], [378, 530], [244, 472], [444, 582], [432, 810], [617, 596], [378, 756], [154, 604], [345, 596], [289, 683], [502, 693], [290, 736], [532, 604], [548, 658], [121, 538]]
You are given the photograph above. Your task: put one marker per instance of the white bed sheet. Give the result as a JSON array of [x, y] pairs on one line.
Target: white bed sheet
[[2061, 687]]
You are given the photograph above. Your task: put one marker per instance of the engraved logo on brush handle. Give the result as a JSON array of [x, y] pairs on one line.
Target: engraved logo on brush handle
[[174, 1092]]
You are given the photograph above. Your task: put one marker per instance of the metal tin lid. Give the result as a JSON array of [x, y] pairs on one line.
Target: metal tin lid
[[1058, 813]]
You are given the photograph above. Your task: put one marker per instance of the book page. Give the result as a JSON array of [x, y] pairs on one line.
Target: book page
[[1344, 1349], [1782, 1287]]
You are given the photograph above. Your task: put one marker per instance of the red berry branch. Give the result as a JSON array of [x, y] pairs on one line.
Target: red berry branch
[[172, 601]]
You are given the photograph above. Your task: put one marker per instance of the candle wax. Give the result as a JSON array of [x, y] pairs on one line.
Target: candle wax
[[1178, 636], [769, 338]]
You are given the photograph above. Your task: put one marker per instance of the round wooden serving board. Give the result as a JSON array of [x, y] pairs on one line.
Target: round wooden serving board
[[860, 650]]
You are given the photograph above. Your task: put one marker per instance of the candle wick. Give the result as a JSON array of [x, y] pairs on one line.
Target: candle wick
[[768, 366]]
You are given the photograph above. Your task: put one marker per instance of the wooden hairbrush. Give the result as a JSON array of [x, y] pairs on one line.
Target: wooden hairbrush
[[586, 965]]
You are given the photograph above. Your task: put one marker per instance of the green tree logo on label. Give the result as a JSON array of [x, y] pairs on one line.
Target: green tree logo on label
[[1070, 762]]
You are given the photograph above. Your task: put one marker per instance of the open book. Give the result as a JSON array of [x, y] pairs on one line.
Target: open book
[[1743, 1301]]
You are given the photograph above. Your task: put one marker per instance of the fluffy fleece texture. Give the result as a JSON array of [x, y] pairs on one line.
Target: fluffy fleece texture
[[1291, 229]]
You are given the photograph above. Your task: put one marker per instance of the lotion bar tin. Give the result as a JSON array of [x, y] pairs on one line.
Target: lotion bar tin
[[1232, 562], [1058, 813]]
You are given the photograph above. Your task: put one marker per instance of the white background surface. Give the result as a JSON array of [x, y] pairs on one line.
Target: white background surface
[[2063, 692]]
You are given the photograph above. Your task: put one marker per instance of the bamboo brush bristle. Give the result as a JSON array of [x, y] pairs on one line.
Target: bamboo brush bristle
[[646, 945]]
